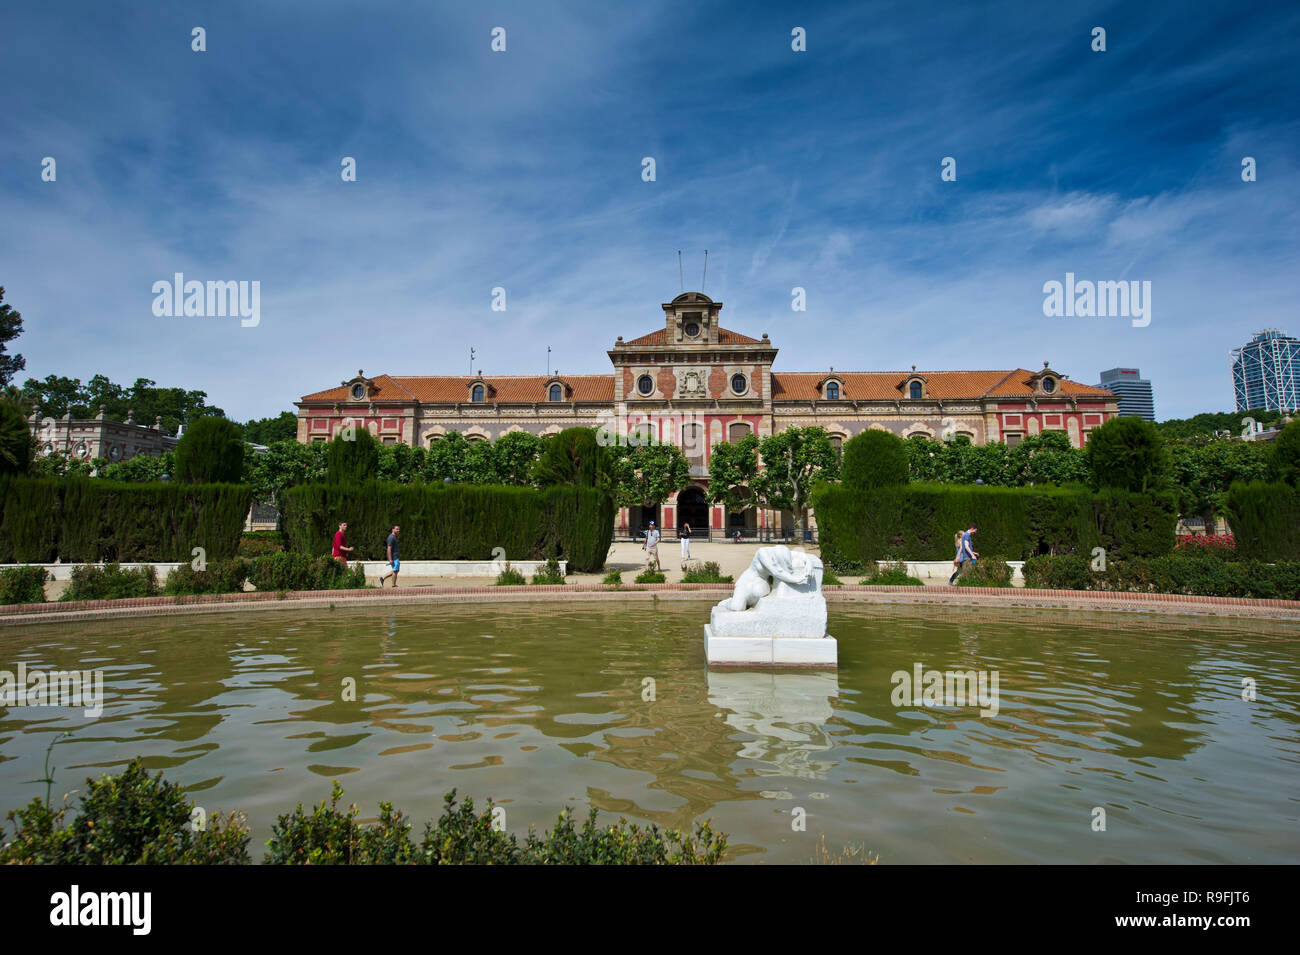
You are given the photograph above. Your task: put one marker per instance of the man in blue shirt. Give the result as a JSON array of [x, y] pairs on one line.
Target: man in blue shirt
[[392, 558], [965, 552]]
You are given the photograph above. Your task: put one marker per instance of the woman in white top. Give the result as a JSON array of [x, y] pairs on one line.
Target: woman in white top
[[685, 535]]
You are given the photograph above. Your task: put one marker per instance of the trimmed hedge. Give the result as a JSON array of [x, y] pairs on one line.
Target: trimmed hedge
[[284, 572], [23, 585], [917, 521], [453, 522], [80, 520], [985, 572], [221, 577], [1199, 574], [110, 582], [1265, 520]]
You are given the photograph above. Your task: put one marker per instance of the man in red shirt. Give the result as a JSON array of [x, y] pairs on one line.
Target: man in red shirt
[[341, 548]]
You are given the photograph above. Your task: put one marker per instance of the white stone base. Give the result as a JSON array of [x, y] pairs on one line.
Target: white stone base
[[822, 652]]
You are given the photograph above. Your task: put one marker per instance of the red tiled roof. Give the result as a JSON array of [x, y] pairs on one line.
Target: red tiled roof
[[888, 385], [725, 337], [449, 388]]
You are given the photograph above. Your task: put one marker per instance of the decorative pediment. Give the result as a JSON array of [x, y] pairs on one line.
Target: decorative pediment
[[1046, 382], [360, 388]]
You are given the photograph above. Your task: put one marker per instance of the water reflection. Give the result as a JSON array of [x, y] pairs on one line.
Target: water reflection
[[785, 714]]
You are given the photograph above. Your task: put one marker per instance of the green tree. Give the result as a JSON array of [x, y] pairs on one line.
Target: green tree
[[401, 463], [211, 450], [352, 457], [1286, 454], [1128, 453], [54, 396], [648, 474], [141, 469], [732, 471], [517, 453], [285, 464], [17, 443], [11, 326], [794, 461], [874, 459], [1211, 424], [574, 456], [267, 431]]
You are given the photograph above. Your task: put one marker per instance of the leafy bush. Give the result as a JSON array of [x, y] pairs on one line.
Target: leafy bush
[[1265, 520], [890, 575], [220, 577], [548, 573], [651, 577], [830, 580], [454, 522], [1214, 545], [1128, 454], [260, 543], [510, 577], [110, 582], [331, 837], [1199, 574], [917, 521], [285, 572], [211, 451], [23, 585], [352, 457], [1285, 457], [985, 572], [127, 819], [614, 578], [874, 459], [708, 573]]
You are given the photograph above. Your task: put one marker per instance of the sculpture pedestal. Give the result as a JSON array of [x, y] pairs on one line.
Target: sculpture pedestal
[[761, 651]]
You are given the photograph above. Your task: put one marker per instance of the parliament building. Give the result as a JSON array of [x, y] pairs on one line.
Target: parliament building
[[695, 384]]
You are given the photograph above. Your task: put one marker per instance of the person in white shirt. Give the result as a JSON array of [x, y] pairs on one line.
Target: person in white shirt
[[651, 547], [685, 535]]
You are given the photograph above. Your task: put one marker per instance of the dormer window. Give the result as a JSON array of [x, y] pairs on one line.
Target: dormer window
[[555, 393], [1049, 384], [358, 392], [914, 390], [476, 393], [832, 391]]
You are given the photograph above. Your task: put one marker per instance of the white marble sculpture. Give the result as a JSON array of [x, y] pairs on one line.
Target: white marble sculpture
[[778, 596]]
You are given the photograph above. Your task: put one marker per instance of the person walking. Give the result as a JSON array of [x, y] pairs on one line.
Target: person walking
[[651, 547], [685, 535], [965, 552], [393, 560], [341, 548]]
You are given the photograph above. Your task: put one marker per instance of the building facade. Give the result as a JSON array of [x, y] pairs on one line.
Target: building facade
[[1133, 391], [1266, 372], [696, 384], [87, 438]]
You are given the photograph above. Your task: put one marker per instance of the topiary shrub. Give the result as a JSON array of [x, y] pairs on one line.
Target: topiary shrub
[[16, 441], [573, 457], [874, 459], [131, 818], [1265, 520], [211, 451], [1285, 456], [1129, 454], [23, 585], [110, 582], [352, 457]]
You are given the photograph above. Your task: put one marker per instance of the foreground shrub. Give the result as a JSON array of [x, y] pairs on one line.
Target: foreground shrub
[[23, 585], [1265, 520], [220, 577], [1197, 574], [285, 571], [614, 578], [985, 572], [707, 573], [651, 577], [110, 582], [131, 818], [510, 578], [1211, 545], [830, 580], [890, 575], [330, 837], [548, 573], [260, 543]]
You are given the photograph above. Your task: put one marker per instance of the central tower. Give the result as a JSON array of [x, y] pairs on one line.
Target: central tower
[[692, 319]]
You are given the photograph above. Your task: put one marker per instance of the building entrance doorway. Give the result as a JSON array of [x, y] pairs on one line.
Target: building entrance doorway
[[693, 509]]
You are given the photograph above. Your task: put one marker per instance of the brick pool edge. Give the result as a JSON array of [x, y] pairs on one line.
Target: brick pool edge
[[983, 597]]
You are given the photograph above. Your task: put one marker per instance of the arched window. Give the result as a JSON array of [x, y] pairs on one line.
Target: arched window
[[832, 391], [737, 431], [837, 443], [557, 393], [914, 391], [476, 394]]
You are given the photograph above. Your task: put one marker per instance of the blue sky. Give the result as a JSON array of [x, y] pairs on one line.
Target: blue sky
[[522, 169]]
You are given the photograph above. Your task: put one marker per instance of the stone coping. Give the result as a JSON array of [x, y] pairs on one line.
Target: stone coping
[[961, 597]]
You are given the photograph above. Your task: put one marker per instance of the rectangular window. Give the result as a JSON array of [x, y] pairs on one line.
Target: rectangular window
[[1013, 438], [1011, 420], [390, 440]]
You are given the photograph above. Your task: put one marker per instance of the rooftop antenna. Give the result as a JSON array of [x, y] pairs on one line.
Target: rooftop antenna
[[548, 359], [680, 277], [471, 361], [706, 269]]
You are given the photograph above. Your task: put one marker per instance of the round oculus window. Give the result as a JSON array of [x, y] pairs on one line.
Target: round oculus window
[[738, 384], [81, 450], [645, 384], [358, 392], [1049, 385], [115, 452], [692, 329]]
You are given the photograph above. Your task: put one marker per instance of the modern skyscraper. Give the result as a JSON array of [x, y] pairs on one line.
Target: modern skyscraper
[[1266, 372], [1134, 391]]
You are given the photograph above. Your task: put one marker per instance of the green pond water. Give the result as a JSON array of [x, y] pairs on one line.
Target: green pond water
[[548, 705]]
